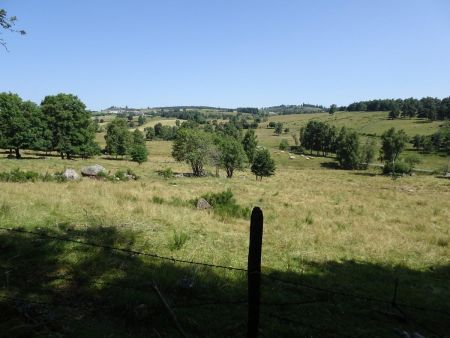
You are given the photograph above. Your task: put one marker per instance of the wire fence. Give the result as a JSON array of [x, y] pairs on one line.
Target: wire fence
[[325, 295]]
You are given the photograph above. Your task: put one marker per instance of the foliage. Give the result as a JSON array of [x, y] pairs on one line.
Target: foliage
[[399, 167], [7, 23], [167, 173], [178, 240], [194, 147], [278, 128], [367, 153], [125, 175], [139, 153], [72, 131], [427, 107], [412, 160], [263, 165], [21, 124], [231, 154], [393, 143], [20, 176], [284, 145], [332, 109], [141, 120], [348, 152], [250, 142], [319, 136], [118, 138], [224, 204]]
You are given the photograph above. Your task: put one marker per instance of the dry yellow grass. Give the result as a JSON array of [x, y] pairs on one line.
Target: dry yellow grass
[[311, 215]]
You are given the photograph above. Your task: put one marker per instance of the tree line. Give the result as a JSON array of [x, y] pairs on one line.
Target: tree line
[[222, 147], [60, 123], [350, 152], [427, 107], [346, 144]]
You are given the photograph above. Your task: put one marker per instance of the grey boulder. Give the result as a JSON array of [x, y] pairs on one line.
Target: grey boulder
[[70, 174], [93, 170]]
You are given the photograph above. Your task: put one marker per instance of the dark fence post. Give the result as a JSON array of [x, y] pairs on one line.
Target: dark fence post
[[254, 272]]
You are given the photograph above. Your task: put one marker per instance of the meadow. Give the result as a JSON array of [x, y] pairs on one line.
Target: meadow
[[353, 232]]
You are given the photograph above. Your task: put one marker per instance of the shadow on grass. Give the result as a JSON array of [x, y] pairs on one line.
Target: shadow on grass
[[330, 165], [74, 290], [367, 174]]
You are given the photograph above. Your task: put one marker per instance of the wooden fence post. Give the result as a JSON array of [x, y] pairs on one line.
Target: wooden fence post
[[254, 272]]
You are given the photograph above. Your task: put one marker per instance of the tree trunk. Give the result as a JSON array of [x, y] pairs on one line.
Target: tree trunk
[[18, 156], [62, 155]]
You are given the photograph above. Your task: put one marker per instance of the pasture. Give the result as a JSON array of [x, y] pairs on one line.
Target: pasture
[[352, 231]]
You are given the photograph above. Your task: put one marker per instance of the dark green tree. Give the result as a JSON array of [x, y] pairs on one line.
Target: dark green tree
[[141, 120], [393, 143], [118, 138], [139, 154], [348, 152], [232, 155], [21, 125], [193, 146], [250, 142], [278, 128], [263, 164], [70, 124], [332, 109]]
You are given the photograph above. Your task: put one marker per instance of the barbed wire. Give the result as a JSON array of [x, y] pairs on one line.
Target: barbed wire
[[127, 251], [349, 295], [357, 296]]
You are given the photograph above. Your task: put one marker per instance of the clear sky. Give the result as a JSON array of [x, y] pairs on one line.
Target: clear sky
[[227, 53]]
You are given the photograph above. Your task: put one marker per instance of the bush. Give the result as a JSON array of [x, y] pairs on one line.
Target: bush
[[167, 173], [297, 150], [225, 205], [284, 145], [19, 176], [178, 240], [400, 167]]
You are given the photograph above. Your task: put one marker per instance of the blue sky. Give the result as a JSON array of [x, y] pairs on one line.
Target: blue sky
[[227, 53]]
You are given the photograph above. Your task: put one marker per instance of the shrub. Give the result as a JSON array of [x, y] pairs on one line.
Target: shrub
[[225, 205], [177, 240], [284, 145], [400, 167], [18, 175], [167, 173]]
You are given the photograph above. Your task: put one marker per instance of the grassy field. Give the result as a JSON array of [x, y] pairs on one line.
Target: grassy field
[[348, 231], [366, 124]]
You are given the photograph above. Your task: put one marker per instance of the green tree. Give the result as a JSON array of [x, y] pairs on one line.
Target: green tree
[[367, 154], [393, 143], [250, 142], [394, 113], [232, 155], [141, 120], [118, 138], [21, 125], [139, 153], [279, 128], [193, 146], [332, 109], [138, 137], [70, 124], [263, 165], [348, 152]]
